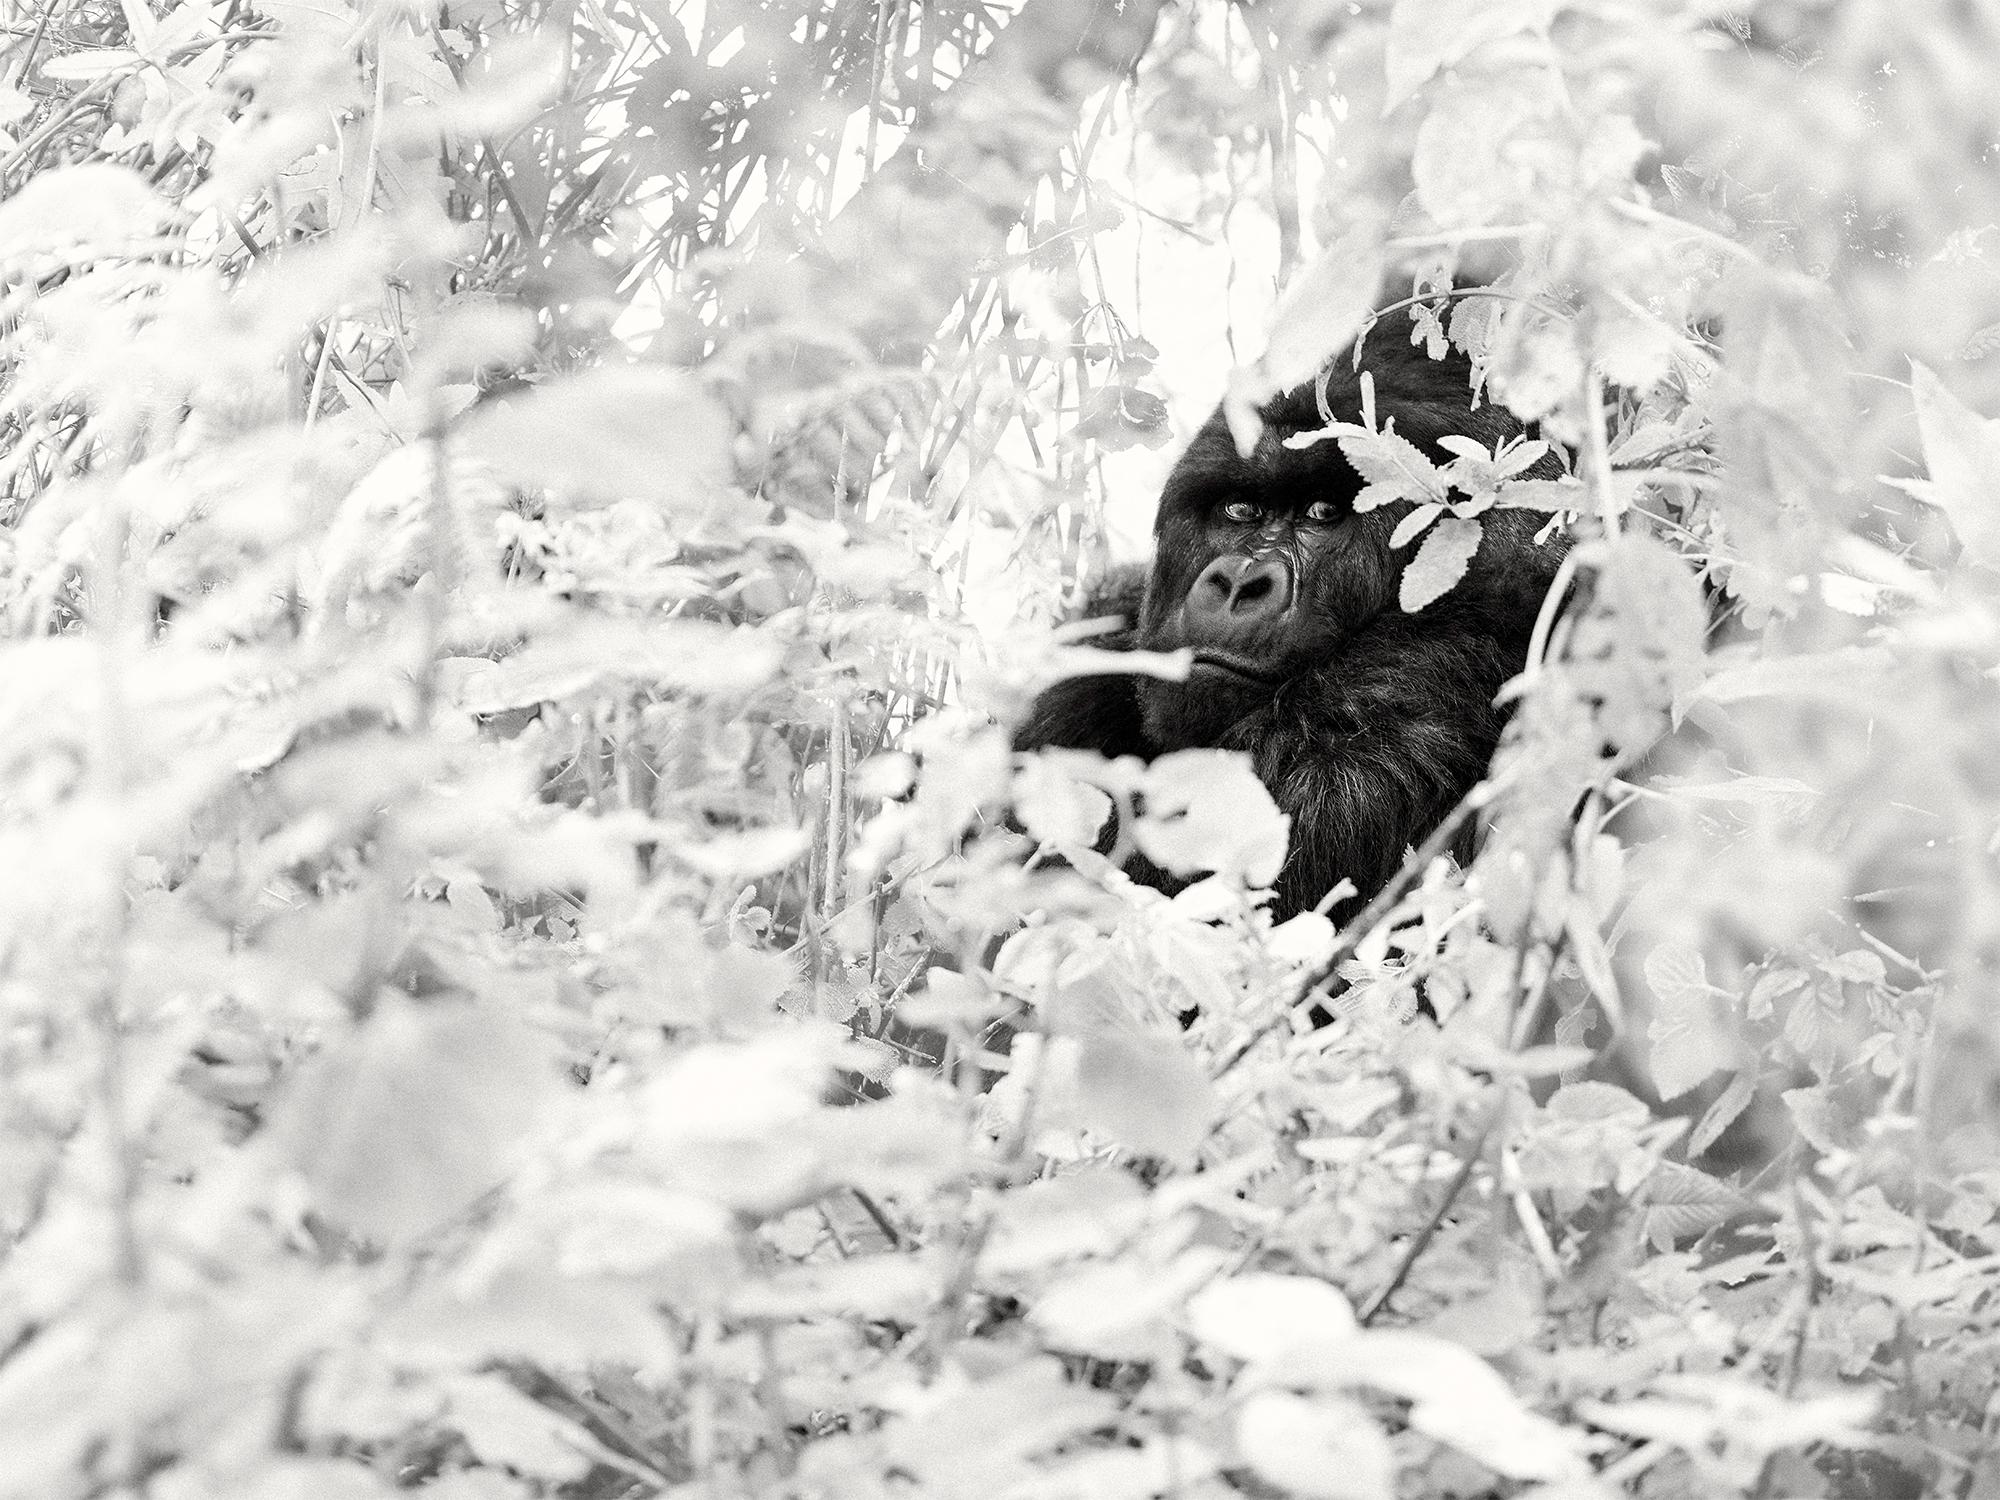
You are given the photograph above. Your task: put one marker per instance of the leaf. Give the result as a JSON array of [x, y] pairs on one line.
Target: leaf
[[1686, 1047], [1682, 1203], [1167, 1465], [620, 432], [1587, 947], [984, 1429], [1392, 468], [407, 1122], [1149, 1094], [1314, 320], [1477, 151], [1255, 1316], [1720, 1115], [745, 854], [1408, 529], [1821, 1118], [1057, 806], [1426, 36], [1442, 560], [504, 1428], [1118, 1309], [1962, 452], [1677, 973], [1327, 1448], [1206, 810], [95, 203], [82, 67], [1455, 1396]]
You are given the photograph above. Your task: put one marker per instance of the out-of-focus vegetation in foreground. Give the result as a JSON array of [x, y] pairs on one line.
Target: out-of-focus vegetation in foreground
[[527, 966]]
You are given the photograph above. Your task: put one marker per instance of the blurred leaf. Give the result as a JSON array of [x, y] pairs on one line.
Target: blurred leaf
[[404, 1124], [1325, 1448], [1428, 35], [614, 433], [93, 203], [1146, 1093], [1455, 1397], [1314, 320], [1255, 1316], [1206, 810], [1962, 451], [1058, 806]]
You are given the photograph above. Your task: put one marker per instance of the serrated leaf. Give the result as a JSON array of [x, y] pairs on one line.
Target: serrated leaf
[[1682, 1203], [1392, 468], [1677, 973], [1411, 526], [1720, 1115], [1821, 1119], [1442, 560]]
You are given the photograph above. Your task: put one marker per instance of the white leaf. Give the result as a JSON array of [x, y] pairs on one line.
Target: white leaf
[[1962, 451], [1392, 468], [81, 67], [745, 854], [417, 1114], [619, 432], [1314, 320], [1255, 1316], [1327, 1449], [1117, 1309], [1455, 1396], [1206, 810], [1148, 1094], [1677, 973], [1586, 945], [1408, 529], [96, 203], [1427, 35], [1442, 560], [1057, 806]]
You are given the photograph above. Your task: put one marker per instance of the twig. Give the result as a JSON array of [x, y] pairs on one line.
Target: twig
[[1384, 901], [1422, 1240]]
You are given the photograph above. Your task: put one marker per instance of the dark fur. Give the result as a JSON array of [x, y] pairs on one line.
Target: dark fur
[[1368, 724]]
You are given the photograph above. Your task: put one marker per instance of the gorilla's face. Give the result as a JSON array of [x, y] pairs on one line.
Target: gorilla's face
[[1262, 569]]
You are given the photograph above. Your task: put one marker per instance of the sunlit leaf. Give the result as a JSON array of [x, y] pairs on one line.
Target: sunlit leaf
[[1255, 1316], [1325, 1448], [1440, 562], [1206, 810]]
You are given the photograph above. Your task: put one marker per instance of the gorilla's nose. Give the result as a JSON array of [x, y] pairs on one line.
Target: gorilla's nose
[[1236, 592]]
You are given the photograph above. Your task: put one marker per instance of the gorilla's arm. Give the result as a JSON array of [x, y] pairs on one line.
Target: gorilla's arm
[[1095, 713], [1370, 752]]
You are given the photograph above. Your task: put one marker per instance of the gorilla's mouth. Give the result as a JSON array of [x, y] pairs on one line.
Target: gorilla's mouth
[[1241, 667]]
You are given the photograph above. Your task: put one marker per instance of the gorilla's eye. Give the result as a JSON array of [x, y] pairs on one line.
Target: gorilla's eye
[[1242, 512], [1324, 512]]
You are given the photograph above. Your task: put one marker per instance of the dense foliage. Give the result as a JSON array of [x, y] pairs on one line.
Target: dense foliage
[[527, 965]]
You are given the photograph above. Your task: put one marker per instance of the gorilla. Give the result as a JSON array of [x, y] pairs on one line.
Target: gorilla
[[1367, 723]]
